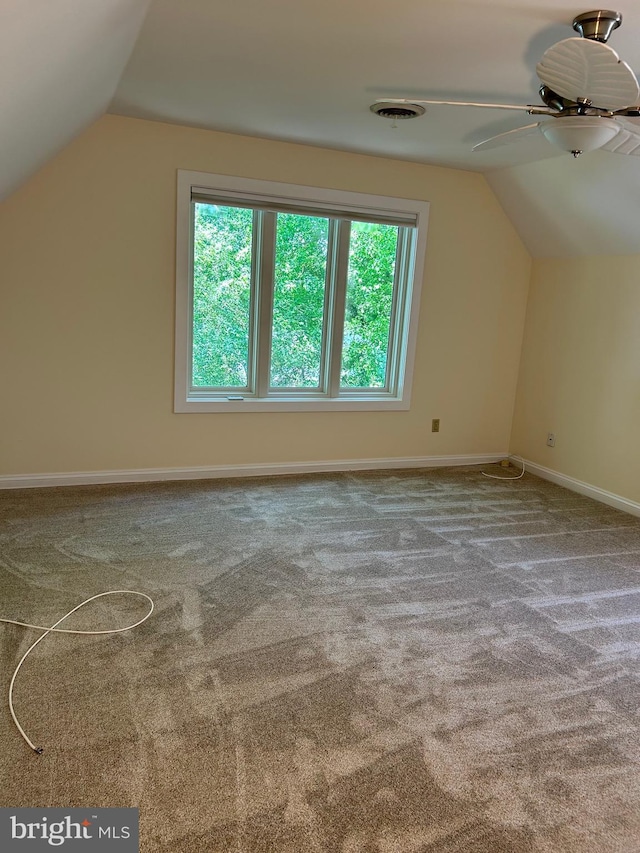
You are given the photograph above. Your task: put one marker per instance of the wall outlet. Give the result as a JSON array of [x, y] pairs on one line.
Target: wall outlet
[[435, 425], [551, 440]]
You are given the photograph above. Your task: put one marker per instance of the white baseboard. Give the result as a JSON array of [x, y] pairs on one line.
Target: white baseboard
[[148, 475], [582, 488]]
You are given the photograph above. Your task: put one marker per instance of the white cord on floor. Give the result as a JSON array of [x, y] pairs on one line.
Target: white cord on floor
[[54, 629], [517, 477]]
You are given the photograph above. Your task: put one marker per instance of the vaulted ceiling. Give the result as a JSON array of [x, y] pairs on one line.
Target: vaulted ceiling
[[60, 63], [308, 72]]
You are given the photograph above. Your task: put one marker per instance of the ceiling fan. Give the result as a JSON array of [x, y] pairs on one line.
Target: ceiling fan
[[589, 95]]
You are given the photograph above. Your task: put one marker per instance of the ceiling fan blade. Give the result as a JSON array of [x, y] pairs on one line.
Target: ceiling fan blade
[[583, 69], [626, 141], [528, 108], [508, 137]]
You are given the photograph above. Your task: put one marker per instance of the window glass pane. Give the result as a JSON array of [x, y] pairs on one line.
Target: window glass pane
[[372, 258], [298, 300], [221, 295]]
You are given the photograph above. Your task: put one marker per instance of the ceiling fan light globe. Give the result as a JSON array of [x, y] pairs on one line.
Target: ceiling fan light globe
[[580, 133]]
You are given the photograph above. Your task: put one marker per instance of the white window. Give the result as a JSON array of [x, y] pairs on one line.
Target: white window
[[293, 298]]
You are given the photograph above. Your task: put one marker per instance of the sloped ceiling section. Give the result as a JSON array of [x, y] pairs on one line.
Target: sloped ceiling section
[[566, 208], [60, 62]]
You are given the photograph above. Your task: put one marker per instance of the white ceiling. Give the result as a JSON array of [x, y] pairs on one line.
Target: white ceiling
[[60, 62], [307, 72]]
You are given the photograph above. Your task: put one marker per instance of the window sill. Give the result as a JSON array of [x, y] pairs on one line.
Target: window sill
[[284, 404]]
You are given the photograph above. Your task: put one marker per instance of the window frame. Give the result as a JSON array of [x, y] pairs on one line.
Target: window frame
[[272, 195]]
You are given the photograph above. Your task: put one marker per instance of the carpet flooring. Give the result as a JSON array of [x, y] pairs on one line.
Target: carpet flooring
[[383, 662]]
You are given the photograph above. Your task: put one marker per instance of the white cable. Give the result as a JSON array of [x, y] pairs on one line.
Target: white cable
[[517, 477], [54, 629]]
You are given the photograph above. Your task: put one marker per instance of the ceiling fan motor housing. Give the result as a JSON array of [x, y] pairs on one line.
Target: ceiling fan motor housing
[[597, 25]]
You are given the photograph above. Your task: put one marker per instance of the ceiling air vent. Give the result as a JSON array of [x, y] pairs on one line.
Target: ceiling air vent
[[397, 111]]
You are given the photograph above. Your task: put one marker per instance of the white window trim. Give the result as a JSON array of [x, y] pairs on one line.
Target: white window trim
[[414, 211]]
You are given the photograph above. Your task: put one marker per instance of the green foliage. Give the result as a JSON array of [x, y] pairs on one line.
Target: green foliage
[[298, 300], [222, 299], [221, 295], [372, 255]]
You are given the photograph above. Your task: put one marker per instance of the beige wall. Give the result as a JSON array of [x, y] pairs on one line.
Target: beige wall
[[86, 329], [580, 372]]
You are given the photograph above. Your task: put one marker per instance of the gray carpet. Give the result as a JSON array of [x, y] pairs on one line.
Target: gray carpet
[[396, 662]]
